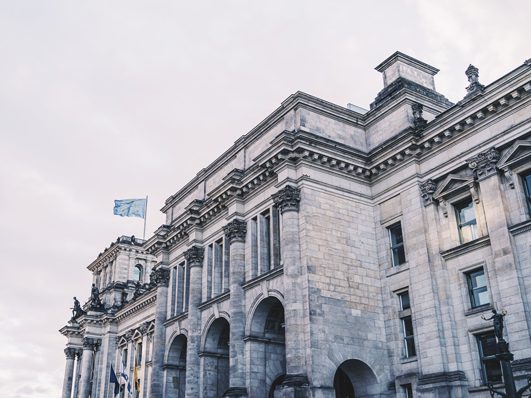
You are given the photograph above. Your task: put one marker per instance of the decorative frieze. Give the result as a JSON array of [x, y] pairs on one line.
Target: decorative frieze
[[194, 256], [484, 163], [427, 189], [235, 230], [287, 199]]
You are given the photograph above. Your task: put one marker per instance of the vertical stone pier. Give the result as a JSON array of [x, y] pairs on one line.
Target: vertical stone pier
[[194, 260], [235, 232], [70, 354], [161, 277], [87, 362], [296, 382]]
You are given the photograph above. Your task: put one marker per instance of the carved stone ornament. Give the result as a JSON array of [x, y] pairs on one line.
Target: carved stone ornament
[[419, 123], [160, 277], [70, 353], [287, 199], [90, 343], [427, 188], [194, 256], [484, 164], [128, 336], [475, 87], [235, 230], [143, 328]]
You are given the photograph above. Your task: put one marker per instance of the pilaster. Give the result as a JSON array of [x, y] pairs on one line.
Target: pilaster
[[70, 354], [235, 231], [296, 383], [161, 277], [194, 260], [90, 345]]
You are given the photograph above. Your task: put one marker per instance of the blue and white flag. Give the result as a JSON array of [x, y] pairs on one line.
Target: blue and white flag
[[130, 208]]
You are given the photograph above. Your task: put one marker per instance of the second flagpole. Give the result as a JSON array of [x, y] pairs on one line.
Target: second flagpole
[[145, 218]]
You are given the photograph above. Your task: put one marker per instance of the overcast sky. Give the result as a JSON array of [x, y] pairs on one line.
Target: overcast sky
[[101, 100]]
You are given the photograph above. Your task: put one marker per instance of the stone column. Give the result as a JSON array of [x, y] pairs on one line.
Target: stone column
[[235, 232], [90, 345], [69, 372], [296, 383], [161, 277], [79, 353], [194, 259]]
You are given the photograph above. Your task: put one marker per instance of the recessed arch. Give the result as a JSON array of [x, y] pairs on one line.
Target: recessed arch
[[256, 302], [354, 378], [175, 367], [266, 337], [215, 357]]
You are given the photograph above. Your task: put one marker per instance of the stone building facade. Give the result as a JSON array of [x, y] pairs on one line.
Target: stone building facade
[[330, 252]]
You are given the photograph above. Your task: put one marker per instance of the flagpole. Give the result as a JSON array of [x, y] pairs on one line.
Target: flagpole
[[145, 219]]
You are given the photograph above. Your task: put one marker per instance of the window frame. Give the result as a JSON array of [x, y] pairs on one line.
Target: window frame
[[471, 290], [396, 248], [458, 207], [409, 348], [483, 358], [526, 185]]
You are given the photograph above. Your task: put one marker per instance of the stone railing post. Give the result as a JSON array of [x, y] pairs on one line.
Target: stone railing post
[[235, 232], [287, 200], [161, 277], [90, 345], [194, 260], [70, 354]]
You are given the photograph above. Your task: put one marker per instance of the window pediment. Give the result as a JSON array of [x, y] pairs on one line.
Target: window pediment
[[517, 155], [453, 185]]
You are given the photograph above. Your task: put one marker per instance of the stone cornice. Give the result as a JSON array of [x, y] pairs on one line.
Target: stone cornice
[[466, 248], [520, 228], [137, 306]]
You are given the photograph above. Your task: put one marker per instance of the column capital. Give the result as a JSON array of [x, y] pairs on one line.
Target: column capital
[[194, 256], [427, 189], [287, 198], [70, 352], [235, 230], [160, 277], [90, 343], [484, 163]]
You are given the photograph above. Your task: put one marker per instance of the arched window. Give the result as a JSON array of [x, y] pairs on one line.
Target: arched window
[[137, 273]]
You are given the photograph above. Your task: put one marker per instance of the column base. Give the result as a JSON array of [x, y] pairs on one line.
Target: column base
[[236, 392], [295, 386]]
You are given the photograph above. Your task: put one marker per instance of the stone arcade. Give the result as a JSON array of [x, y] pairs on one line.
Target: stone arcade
[[330, 252]]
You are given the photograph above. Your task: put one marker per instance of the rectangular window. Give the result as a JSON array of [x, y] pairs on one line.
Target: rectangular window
[[490, 366], [264, 234], [408, 390], [477, 288], [406, 322], [396, 239], [466, 220], [527, 190]]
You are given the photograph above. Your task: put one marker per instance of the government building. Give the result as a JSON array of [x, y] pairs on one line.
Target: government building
[[330, 252]]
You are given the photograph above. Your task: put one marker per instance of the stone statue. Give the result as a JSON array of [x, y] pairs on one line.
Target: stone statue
[[76, 309], [497, 321], [95, 301]]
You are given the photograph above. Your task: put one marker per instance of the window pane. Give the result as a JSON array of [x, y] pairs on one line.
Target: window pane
[[527, 186], [404, 300], [408, 326], [396, 234], [410, 347], [465, 212], [482, 297]]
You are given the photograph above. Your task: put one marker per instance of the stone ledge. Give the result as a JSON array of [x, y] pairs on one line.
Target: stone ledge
[[478, 310], [520, 228], [267, 276], [466, 247], [457, 376], [218, 299]]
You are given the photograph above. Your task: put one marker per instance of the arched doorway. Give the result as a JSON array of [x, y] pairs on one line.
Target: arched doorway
[[175, 368], [268, 349], [354, 378], [215, 357]]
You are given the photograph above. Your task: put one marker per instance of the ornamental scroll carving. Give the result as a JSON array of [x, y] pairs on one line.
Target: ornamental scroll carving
[[194, 256], [484, 163], [287, 199], [90, 343], [70, 353], [427, 189], [160, 277], [235, 231]]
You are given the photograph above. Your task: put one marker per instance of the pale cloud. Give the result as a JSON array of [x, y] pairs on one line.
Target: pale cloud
[[108, 100]]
